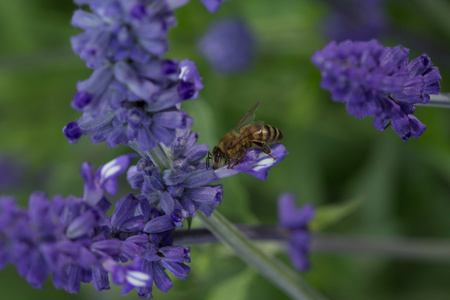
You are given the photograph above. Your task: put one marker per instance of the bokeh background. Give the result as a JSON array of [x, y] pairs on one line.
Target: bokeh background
[[405, 186]]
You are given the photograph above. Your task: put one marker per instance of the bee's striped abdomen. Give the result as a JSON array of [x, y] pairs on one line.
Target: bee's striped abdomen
[[266, 133]]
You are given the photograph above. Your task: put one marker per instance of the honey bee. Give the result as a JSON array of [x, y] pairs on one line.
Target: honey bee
[[245, 135]]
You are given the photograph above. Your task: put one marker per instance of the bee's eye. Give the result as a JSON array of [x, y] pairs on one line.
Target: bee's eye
[[217, 157]]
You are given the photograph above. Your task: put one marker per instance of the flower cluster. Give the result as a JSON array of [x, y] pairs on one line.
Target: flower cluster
[[73, 240], [132, 98], [348, 19], [228, 45], [185, 187], [295, 222], [132, 94], [379, 82]]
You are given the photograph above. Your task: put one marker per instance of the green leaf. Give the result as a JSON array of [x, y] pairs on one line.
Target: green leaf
[[330, 214], [237, 284], [287, 280]]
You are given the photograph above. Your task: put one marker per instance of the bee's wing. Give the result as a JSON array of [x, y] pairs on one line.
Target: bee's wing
[[247, 118], [243, 136]]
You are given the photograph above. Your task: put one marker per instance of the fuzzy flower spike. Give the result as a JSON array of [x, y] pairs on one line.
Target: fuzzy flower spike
[[133, 93], [377, 81], [73, 240]]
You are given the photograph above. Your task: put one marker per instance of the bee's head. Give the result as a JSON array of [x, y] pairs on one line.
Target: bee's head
[[217, 157]]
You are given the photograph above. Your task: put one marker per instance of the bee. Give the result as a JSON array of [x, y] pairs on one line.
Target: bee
[[245, 135]]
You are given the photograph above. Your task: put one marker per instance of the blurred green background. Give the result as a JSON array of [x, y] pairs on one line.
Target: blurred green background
[[333, 156]]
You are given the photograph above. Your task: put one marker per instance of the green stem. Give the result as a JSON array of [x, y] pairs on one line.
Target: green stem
[[441, 100], [160, 158], [157, 155], [274, 270]]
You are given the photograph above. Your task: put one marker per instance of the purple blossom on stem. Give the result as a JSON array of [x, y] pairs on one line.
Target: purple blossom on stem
[[130, 275], [121, 30], [255, 163], [295, 221], [228, 45], [132, 94], [379, 82], [184, 188], [73, 240], [55, 237], [105, 179], [348, 19]]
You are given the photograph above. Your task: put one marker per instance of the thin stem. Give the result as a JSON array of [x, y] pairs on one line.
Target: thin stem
[[274, 270], [160, 158], [408, 249], [441, 100], [204, 236]]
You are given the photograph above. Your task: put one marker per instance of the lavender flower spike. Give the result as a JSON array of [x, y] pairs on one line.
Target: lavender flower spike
[[181, 190], [379, 82], [295, 222]]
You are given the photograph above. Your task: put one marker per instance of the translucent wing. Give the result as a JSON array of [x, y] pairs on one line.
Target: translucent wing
[[248, 117], [242, 136]]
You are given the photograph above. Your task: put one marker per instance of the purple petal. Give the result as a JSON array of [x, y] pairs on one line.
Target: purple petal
[[173, 253], [100, 278], [124, 210], [108, 173], [146, 139], [38, 271], [256, 163], [167, 203], [200, 178], [85, 20], [299, 258], [159, 224], [171, 119], [162, 280], [82, 225], [179, 270], [72, 132], [291, 217]]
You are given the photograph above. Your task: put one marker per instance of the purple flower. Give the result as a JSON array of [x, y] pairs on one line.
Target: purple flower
[[105, 180], [295, 222], [122, 30], [75, 242], [212, 5], [255, 163], [133, 94], [52, 237], [184, 188], [157, 259], [122, 116], [130, 275], [189, 74], [348, 19], [228, 45], [379, 82]]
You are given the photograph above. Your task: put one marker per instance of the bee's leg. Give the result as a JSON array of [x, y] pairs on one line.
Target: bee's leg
[[241, 155], [227, 160], [265, 148], [208, 160]]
